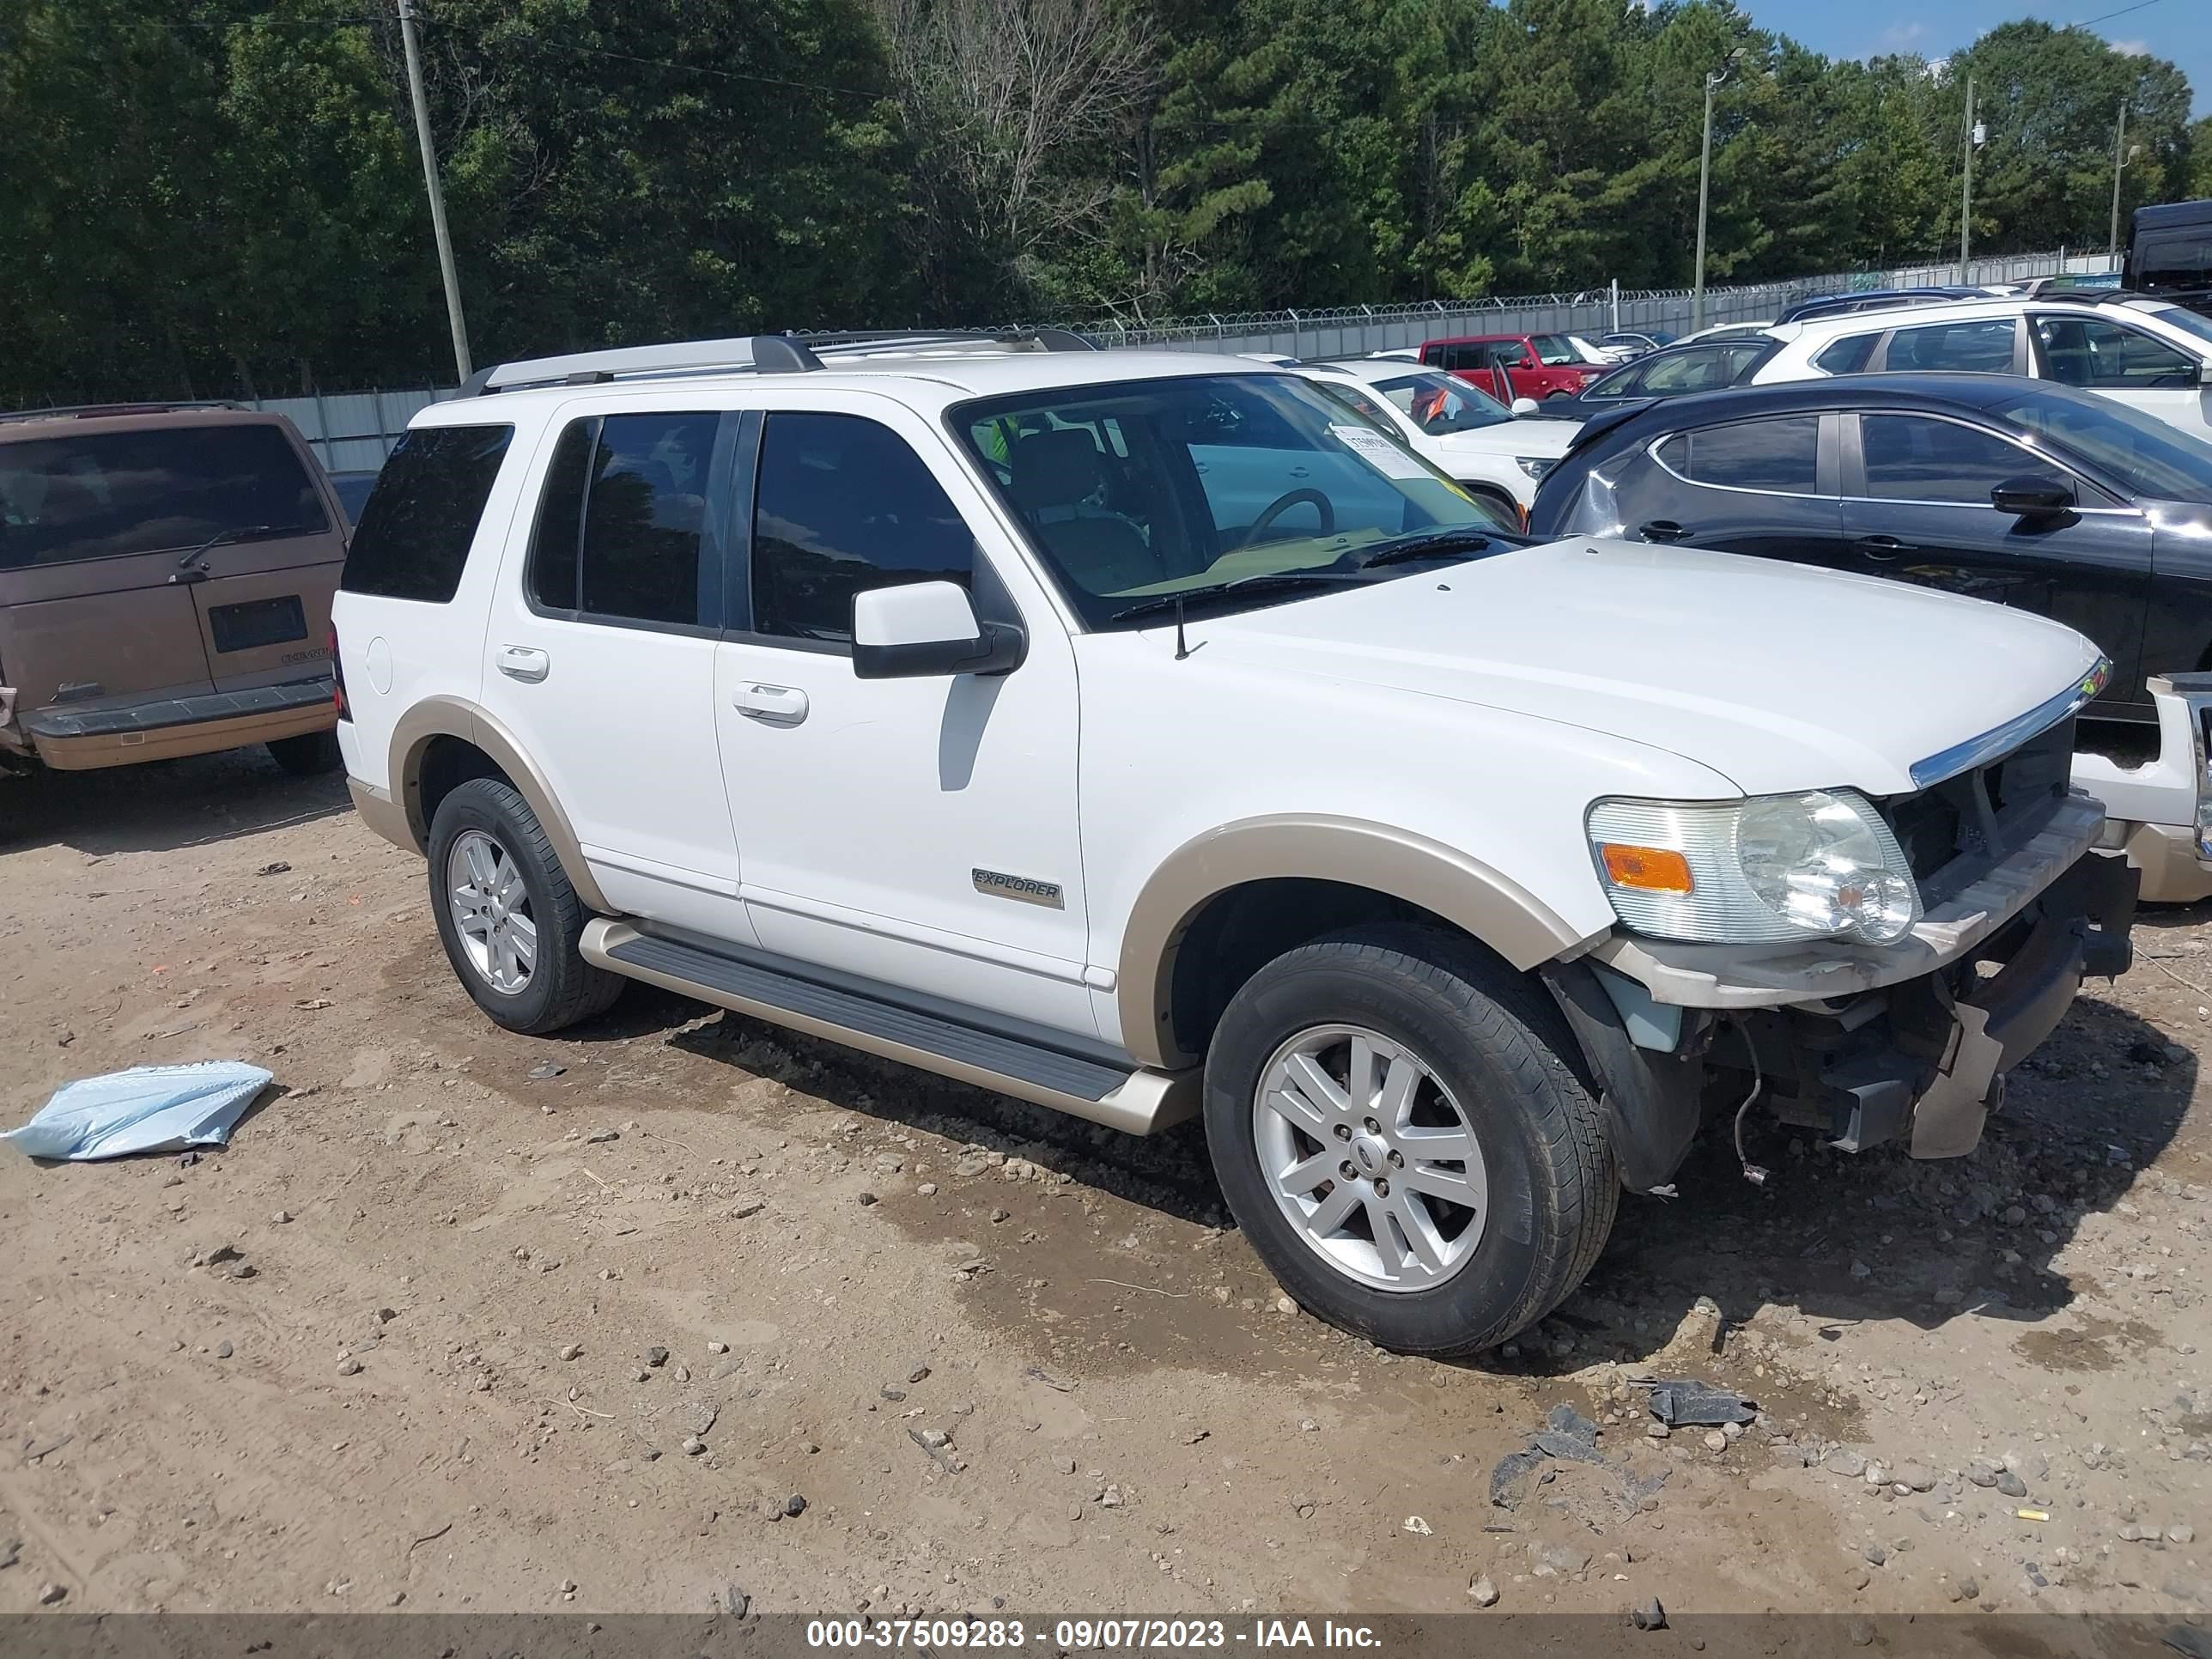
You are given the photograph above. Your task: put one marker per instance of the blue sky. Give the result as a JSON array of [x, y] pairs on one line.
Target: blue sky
[[2178, 29]]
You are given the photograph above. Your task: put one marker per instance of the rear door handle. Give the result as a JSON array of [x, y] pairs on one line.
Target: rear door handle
[[1300, 472], [526, 663], [1883, 547], [1663, 530], [780, 705]]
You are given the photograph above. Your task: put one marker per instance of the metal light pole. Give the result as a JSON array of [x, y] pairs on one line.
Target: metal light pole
[[1966, 194], [1704, 188], [437, 196], [2119, 161]]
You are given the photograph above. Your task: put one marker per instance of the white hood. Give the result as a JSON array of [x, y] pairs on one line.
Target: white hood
[[1778, 677], [1546, 440]]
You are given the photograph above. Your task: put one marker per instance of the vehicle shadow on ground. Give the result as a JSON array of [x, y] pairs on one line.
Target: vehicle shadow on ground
[[1169, 1172], [163, 806], [1837, 1238]]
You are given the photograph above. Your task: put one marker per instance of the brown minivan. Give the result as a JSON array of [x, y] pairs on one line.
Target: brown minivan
[[165, 573]]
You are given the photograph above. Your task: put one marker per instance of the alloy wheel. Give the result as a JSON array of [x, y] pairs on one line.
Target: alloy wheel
[[1370, 1160]]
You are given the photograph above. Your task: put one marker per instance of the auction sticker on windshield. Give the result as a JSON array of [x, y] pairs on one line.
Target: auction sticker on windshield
[[1379, 452]]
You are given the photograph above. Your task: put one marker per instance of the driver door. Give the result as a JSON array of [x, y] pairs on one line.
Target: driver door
[[2125, 364], [1917, 508], [918, 833]]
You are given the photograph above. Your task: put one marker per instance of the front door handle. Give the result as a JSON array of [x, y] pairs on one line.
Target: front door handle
[[780, 705], [526, 663], [1883, 547], [1663, 530]]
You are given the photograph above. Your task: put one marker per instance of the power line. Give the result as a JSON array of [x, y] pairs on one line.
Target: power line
[[2122, 12]]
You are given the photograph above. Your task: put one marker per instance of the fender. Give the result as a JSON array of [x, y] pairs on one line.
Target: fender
[[1464, 891], [443, 716]]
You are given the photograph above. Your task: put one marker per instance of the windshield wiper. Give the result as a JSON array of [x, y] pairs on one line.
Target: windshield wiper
[[1429, 545], [1162, 605], [237, 532]]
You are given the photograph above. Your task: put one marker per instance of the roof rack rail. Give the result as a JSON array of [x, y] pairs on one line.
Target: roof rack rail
[[91, 411], [755, 353], [2091, 297]]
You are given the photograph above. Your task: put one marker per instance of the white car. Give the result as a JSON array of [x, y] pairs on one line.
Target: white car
[[1459, 428], [1138, 734], [1727, 332], [2147, 354], [1602, 356]]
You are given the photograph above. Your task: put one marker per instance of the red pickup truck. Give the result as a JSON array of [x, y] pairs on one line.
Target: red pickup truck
[[1509, 366]]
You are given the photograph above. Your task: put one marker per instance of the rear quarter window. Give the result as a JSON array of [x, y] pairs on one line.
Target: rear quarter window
[[420, 519], [1848, 355]]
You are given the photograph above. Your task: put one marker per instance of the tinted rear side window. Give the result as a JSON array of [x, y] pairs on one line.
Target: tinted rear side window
[[1983, 348], [1780, 455], [413, 542], [97, 495], [624, 530]]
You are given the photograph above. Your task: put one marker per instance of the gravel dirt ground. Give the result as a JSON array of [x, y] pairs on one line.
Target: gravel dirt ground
[[468, 1322]]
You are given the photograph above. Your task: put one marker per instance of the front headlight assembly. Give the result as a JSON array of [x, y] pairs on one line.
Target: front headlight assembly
[[1534, 465], [1772, 868]]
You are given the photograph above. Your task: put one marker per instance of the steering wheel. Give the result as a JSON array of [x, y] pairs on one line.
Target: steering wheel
[[1283, 503]]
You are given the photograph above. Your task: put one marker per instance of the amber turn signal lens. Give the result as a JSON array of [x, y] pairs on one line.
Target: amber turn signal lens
[[1652, 869]]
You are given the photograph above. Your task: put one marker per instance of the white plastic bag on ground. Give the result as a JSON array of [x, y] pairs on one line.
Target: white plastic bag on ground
[[147, 1108]]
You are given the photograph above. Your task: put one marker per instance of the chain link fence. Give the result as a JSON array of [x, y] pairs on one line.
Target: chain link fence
[[355, 431]]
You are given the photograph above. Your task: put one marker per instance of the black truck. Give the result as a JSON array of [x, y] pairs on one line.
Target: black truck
[[2170, 254]]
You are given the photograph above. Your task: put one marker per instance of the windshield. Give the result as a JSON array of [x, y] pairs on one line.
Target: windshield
[[1437, 403], [2187, 321], [1141, 489], [1551, 350], [2143, 452]]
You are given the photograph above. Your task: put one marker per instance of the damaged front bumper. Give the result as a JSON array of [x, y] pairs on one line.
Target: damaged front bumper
[[1864, 1044]]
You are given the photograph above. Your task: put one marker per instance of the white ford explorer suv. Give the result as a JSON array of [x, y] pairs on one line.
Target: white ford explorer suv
[[959, 701]]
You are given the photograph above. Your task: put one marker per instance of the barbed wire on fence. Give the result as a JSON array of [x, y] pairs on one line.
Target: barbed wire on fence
[[355, 430]]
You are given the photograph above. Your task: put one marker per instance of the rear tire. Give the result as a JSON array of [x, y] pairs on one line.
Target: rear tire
[[506, 915], [307, 756], [1492, 1057]]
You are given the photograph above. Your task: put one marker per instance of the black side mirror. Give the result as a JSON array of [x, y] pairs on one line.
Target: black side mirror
[[2034, 495]]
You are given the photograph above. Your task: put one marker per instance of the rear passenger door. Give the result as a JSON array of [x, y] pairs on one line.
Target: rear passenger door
[[1917, 508], [1984, 346], [599, 655], [1765, 487]]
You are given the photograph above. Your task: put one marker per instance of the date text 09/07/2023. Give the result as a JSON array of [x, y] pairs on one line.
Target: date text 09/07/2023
[[1087, 1635]]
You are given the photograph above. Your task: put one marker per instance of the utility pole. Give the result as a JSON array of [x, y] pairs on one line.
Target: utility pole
[[1966, 196], [2119, 161], [1704, 187], [437, 196]]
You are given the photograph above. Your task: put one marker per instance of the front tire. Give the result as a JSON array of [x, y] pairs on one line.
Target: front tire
[[1398, 1129], [506, 915]]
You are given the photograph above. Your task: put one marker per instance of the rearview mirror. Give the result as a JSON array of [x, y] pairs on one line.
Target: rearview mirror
[[2033, 496], [926, 628], [1524, 405]]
